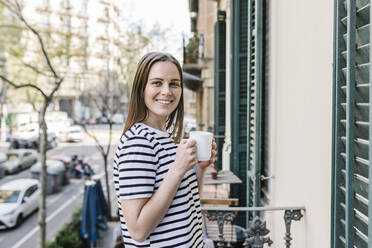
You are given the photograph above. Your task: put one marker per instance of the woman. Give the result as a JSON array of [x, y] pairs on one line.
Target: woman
[[157, 183]]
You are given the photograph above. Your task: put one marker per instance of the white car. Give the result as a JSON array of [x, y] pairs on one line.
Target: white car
[[19, 159], [118, 119], [75, 134], [18, 199]]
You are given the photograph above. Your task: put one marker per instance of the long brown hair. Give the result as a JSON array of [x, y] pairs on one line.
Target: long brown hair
[[137, 110]]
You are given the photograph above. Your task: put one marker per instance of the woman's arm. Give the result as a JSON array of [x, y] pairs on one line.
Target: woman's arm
[[142, 215]]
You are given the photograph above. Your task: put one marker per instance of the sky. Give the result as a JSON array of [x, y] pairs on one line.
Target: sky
[[169, 14]]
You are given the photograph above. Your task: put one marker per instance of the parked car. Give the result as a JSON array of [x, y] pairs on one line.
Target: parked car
[[101, 120], [33, 142], [18, 199], [118, 119], [27, 131], [75, 134], [19, 159]]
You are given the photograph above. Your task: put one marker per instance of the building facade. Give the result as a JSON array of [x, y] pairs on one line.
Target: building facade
[[291, 98], [83, 40]]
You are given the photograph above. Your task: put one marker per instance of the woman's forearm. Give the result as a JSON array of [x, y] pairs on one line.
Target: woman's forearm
[[154, 209]]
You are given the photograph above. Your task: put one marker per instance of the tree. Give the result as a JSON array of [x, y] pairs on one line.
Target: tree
[[106, 98], [47, 94]]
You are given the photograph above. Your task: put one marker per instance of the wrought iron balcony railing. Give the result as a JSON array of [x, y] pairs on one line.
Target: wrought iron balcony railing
[[257, 231]]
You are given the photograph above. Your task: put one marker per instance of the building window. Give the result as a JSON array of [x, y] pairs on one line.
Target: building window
[[352, 133]]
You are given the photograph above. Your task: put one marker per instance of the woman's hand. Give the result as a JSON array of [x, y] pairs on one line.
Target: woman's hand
[[211, 161], [186, 157]]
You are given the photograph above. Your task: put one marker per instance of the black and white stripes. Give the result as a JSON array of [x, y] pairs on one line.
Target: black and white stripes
[[142, 159]]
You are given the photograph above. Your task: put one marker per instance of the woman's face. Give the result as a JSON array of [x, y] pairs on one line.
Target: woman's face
[[163, 90]]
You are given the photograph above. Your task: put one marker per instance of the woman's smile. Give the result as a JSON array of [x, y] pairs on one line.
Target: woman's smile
[[164, 102]]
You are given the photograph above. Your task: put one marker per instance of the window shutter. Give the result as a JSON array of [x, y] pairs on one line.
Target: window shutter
[[220, 84], [255, 66], [351, 126], [265, 89], [239, 43]]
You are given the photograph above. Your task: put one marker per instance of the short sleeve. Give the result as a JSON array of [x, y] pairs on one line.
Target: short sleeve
[[136, 164]]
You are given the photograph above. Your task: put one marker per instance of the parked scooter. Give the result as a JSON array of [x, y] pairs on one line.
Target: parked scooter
[[81, 168]]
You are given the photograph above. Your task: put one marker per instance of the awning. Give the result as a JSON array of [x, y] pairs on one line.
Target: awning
[[191, 81]]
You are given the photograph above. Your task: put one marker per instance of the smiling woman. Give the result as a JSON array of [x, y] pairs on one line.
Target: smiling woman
[[157, 183]]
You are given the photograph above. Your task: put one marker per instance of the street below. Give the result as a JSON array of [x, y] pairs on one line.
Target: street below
[[62, 204]]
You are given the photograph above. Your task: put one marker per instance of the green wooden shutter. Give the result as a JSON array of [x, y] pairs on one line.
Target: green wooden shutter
[[265, 111], [220, 84], [246, 95], [239, 45], [255, 40], [352, 132]]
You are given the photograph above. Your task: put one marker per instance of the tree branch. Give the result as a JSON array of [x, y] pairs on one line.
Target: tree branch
[[13, 53], [17, 86], [58, 84], [18, 12], [99, 146], [35, 69]]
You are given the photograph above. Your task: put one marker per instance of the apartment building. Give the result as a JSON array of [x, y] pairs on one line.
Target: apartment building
[[83, 38]]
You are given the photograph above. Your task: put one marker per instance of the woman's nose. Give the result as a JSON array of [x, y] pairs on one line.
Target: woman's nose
[[165, 89]]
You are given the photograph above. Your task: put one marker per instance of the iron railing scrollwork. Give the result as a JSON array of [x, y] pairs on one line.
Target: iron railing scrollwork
[[257, 230]]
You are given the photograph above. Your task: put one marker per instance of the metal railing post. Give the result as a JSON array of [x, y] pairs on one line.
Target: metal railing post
[[290, 215]]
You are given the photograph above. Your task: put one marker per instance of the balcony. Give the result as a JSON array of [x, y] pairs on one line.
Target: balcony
[[190, 51], [219, 226], [191, 62], [223, 221]]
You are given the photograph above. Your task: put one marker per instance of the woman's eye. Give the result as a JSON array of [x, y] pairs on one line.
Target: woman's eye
[[174, 84], [156, 83]]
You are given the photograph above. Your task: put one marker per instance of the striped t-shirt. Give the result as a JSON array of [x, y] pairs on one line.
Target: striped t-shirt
[[142, 159]]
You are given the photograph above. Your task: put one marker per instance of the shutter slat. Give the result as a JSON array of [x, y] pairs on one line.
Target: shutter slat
[[362, 35], [362, 15], [362, 54]]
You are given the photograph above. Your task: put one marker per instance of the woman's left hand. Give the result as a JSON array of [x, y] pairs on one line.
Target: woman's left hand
[[211, 161]]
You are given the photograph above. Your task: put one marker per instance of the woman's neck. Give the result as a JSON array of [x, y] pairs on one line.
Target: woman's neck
[[157, 124]]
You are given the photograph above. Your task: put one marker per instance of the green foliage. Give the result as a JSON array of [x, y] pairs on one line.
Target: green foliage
[[69, 235], [192, 48]]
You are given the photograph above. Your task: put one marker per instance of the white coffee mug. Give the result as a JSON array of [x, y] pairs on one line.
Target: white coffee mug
[[203, 144]]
